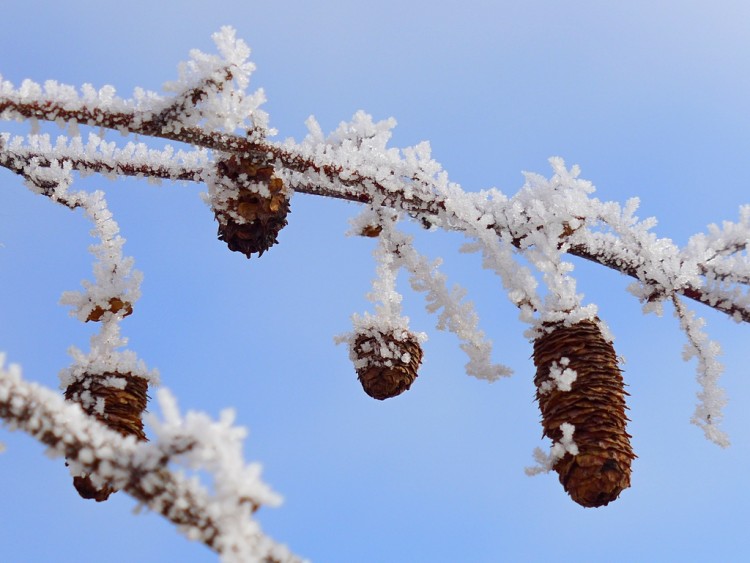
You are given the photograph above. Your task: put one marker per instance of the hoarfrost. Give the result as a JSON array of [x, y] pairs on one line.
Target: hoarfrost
[[560, 377], [193, 441], [545, 462]]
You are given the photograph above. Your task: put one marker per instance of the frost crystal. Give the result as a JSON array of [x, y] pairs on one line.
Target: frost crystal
[[113, 273], [708, 414], [105, 357], [546, 461]]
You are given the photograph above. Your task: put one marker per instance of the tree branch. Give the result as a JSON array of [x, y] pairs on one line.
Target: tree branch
[[139, 469], [307, 174]]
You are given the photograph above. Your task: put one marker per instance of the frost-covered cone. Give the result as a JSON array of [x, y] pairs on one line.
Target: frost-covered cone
[[386, 363], [117, 400], [594, 405], [255, 211], [115, 305]]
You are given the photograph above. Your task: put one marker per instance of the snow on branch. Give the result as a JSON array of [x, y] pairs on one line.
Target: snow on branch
[[545, 462], [457, 316], [215, 82], [27, 155], [222, 520], [708, 413], [355, 163], [722, 257], [115, 278]]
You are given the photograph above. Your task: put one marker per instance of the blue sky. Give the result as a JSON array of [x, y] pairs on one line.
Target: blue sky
[[650, 99]]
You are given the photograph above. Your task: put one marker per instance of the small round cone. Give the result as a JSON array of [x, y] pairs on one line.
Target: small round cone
[[262, 217]]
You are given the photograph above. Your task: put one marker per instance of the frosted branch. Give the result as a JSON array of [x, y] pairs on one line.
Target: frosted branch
[[223, 521], [105, 356], [354, 163], [387, 319], [114, 276], [708, 413], [456, 315], [24, 155]]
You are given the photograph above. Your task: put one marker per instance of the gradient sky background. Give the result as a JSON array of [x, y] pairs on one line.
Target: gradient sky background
[[651, 99]]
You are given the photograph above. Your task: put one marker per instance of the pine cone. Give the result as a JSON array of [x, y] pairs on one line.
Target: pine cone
[[263, 216], [595, 405], [120, 408], [387, 363]]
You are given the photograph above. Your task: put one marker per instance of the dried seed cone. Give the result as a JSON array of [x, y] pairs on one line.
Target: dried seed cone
[[122, 410], [388, 363], [595, 405], [371, 231], [115, 306], [263, 217]]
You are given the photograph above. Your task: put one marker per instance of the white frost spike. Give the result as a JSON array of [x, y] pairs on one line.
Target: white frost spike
[[561, 377], [114, 275], [384, 294], [546, 462], [105, 357], [708, 413], [456, 316], [387, 318], [226, 107], [395, 250]]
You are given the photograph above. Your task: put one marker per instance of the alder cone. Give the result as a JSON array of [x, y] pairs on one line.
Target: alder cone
[[115, 306], [263, 216], [595, 405], [387, 374], [371, 231], [122, 411]]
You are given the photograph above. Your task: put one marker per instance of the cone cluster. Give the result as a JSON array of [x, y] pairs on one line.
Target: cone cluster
[[250, 221], [595, 405], [387, 362], [119, 408]]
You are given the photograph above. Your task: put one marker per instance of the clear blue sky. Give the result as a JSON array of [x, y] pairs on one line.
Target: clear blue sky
[[651, 99]]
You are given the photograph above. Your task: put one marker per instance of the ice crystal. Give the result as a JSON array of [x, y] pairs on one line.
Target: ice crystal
[[545, 462]]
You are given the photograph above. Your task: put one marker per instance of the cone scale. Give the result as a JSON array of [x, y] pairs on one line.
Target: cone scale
[[595, 405]]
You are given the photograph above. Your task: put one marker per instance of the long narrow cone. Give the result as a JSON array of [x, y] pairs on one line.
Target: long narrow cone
[[595, 405]]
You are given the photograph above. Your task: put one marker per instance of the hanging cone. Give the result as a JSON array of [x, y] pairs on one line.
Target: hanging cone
[[595, 405], [104, 397], [386, 363], [250, 221]]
